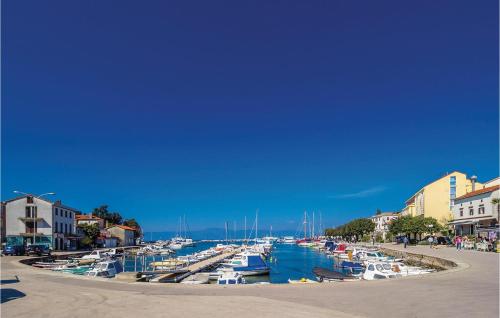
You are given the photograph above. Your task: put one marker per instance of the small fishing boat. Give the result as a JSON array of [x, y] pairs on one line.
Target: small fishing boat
[[405, 270], [169, 264], [230, 278], [106, 269], [326, 275], [352, 265], [302, 281], [379, 270], [248, 264]]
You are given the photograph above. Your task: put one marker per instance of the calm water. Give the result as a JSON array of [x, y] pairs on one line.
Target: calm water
[[287, 261]]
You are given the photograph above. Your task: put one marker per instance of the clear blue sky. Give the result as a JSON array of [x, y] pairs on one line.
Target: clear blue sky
[[216, 108]]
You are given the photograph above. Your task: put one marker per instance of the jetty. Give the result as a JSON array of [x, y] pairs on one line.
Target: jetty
[[195, 267]]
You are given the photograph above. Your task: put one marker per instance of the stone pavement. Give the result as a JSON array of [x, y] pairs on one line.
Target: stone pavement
[[470, 290]]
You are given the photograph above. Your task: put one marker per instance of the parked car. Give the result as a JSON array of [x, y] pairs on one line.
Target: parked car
[[13, 250], [37, 249], [400, 238]]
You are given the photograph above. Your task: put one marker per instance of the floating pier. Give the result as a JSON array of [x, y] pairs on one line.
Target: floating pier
[[196, 267]]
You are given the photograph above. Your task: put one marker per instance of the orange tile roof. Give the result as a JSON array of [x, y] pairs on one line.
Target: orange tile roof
[[477, 192], [86, 217], [124, 227]]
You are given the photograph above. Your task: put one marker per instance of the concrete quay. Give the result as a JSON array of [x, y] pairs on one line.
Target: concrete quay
[[471, 289]]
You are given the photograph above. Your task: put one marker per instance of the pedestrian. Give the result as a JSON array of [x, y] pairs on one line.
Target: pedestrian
[[458, 242], [405, 241], [430, 240]]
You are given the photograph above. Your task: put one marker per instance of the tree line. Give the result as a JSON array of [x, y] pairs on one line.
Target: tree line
[[416, 225], [356, 228]]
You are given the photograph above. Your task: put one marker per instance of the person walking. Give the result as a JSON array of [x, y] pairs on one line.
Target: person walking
[[458, 242], [430, 240], [405, 241]]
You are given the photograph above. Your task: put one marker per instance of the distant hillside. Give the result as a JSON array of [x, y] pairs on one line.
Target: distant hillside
[[214, 234]]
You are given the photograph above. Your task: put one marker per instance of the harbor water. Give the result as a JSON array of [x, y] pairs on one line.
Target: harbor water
[[287, 261]]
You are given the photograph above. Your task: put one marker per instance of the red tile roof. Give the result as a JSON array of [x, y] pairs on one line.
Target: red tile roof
[[478, 192], [124, 227], [86, 217]]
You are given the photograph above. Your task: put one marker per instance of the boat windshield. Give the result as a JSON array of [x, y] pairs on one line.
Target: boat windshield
[[101, 267], [379, 267], [387, 266]]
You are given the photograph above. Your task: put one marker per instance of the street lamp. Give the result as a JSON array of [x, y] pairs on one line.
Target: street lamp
[[35, 211]]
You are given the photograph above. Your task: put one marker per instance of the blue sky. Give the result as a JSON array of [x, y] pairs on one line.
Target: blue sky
[[214, 109]]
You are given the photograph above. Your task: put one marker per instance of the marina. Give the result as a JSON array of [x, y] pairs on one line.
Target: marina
[[265, 263]]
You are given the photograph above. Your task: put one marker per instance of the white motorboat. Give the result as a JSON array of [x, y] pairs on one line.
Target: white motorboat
[[105, 269], [288, 240], [379, 270], [405, 270], [248, 264], [230, 278]]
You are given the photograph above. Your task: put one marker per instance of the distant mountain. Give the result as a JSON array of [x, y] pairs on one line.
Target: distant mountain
[[215, 234]]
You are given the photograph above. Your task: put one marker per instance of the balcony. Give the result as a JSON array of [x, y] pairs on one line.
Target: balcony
[[30, 219], [31, 234]]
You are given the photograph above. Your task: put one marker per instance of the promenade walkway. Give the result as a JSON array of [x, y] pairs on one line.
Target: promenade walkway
[[470, 290]]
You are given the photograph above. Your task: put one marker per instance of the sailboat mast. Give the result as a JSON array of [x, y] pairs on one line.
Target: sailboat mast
[[256, 224], [225, 228], [312, 233], [320, 224], [245, 228], [305, 225]]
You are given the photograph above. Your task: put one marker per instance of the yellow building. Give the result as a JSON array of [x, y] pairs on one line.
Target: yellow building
[[437, 198]]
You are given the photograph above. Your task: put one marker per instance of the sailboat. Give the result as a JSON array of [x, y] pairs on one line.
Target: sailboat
[[305, 242], [180, 241]]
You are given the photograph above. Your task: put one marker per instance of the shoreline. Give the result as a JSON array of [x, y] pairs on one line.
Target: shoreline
[[477, 282]]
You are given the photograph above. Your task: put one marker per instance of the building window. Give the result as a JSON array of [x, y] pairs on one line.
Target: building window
[[65, 228], [471, 210], [481, 209], [461, 211], [61, 225], [28, 212], [57, 211], [29, 199], [453, 190], [65, 214], [56, 228]]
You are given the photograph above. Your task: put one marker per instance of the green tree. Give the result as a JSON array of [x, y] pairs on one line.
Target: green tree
[[91, 232], [104, 213]]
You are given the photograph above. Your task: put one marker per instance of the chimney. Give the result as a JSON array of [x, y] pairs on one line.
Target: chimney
[[473, 179]]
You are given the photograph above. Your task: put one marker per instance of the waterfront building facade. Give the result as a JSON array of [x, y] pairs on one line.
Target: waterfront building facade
[[382, 221], [475, 212], [125, 234], [32, 220], [437, 198]]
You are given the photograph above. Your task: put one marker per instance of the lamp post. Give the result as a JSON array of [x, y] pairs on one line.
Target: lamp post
[[35, 210]]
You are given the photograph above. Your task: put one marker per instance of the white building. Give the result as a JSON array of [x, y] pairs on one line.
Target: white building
[[29, 220], [474, 213], [382, 221]]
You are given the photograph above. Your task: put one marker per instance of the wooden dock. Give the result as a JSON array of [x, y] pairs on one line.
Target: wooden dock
[[196, 267]]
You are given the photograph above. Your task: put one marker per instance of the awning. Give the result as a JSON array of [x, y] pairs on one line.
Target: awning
[[469, 221]]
